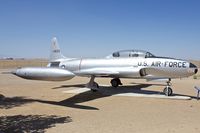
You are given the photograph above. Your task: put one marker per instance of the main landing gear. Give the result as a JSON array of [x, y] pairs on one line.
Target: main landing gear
[[168, 90], [115, 82], [93, 85]]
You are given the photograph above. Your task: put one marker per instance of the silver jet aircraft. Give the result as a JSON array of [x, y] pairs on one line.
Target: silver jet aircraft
[[135, 64]]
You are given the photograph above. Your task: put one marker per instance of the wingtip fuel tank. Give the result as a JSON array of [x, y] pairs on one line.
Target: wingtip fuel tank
[[46, 74]]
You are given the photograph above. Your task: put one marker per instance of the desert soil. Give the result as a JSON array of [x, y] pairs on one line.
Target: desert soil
[[37, 106]]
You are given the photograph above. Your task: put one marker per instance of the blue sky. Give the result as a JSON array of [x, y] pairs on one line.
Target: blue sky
[[96, 28]]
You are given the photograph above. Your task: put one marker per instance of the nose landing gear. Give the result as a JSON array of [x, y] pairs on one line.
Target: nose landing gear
[[168, 90]]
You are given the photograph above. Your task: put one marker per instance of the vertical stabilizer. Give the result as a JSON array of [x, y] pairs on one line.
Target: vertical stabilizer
[[55, 51]]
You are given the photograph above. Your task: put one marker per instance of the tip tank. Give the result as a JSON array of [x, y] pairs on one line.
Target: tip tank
[[46, 73]]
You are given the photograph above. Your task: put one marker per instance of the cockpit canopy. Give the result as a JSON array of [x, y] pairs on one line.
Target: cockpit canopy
[[131, 53]]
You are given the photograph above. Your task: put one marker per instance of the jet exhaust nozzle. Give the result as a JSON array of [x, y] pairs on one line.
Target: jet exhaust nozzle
[[46, 74]]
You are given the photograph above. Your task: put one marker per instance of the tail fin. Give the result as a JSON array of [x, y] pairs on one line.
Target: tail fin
[[55, 51]]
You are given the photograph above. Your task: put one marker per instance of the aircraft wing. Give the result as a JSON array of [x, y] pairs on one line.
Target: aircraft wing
[[97, 72], [109, 72]]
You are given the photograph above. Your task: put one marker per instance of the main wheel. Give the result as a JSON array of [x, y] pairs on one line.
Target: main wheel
[[95, 87], [168, 91], [119, 81], [114, 83]]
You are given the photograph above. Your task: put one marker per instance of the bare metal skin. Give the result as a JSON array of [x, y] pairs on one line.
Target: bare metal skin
[[122, 64]]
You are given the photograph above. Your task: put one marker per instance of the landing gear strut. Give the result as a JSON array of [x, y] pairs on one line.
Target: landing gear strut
[[168, 90], [92, 84], [115, 82]]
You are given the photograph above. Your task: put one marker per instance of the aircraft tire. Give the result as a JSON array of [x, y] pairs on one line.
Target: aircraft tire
[[168, 91], [119, 81], [95, 87], [114, 83]]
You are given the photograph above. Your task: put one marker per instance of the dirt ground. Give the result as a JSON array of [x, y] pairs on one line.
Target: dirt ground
[[5, 64], [37, 106]]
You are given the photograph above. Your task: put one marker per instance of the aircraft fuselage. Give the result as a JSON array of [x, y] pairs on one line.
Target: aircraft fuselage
[[130, 67]]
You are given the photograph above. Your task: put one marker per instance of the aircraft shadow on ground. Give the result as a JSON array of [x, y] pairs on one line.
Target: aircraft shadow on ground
[[11, 102], [30, 123], [68, 86], [138, 88], [105, 91], [156, 84], [74, 101]]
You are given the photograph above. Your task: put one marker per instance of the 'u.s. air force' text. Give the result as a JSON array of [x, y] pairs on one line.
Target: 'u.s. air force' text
[[164, 64]]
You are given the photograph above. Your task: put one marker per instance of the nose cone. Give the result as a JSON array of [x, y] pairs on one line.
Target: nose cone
[[194, 67]]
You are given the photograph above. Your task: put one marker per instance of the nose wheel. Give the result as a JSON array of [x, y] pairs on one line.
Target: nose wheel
[[168, 90], [115, 82]]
